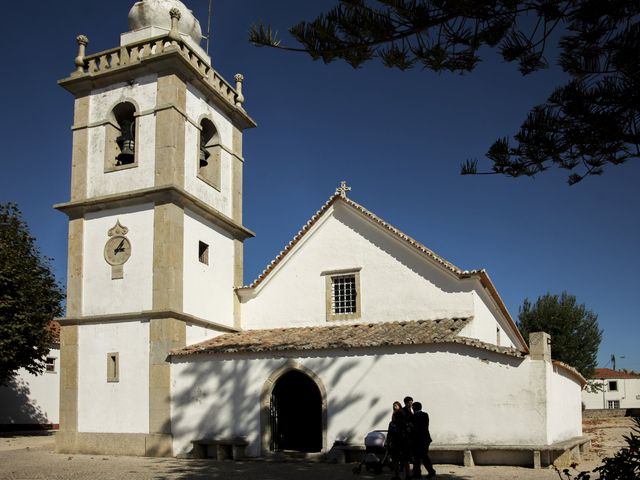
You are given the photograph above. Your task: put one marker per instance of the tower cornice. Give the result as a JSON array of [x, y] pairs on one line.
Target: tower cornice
[[155, 55], [157, 195]]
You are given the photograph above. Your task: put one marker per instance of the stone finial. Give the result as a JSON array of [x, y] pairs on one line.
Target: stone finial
[[175, 15], [343, 189], [540, 346], [79, 60], [117, 229], [239, 97]]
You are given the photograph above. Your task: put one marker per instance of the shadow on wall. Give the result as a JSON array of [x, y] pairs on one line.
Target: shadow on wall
[[18, 410], [241, 400]]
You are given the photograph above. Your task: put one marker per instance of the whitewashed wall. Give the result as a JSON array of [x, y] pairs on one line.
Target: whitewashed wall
[[471, 395], [395, 283], [208, 289], [198, 333], [142, 94], [197, 107], [32, 399], [487, 319], [564, 405], [628, 394], [113, 406], [133, 293]]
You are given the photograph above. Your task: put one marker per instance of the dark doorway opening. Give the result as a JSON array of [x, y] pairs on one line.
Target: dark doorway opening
[[296, 414]]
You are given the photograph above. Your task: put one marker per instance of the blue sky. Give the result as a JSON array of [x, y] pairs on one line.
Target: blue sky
[[397, 139]]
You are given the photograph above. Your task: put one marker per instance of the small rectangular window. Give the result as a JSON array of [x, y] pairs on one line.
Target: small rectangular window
[[613, 404], [343, 294], [613, 386], [203, 253], [50, 365], [113, 367]]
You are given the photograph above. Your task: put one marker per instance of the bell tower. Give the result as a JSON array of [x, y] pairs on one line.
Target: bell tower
[[155, 227]]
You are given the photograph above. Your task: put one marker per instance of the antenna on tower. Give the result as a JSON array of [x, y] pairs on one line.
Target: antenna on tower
[[209, 26]]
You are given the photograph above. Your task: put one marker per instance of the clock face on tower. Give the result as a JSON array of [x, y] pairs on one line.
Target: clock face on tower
[[117, 250]]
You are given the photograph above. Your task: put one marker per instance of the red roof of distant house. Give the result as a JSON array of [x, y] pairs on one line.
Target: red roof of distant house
[[608, 373], [55, 331]]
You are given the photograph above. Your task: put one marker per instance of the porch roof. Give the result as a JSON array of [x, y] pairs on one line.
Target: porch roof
[[344, 337]]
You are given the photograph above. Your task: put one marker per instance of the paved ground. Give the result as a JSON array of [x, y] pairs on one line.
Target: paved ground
[[32, 458]]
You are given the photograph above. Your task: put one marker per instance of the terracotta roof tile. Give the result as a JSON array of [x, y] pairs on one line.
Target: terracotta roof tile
[[608, 373], [368, 335]]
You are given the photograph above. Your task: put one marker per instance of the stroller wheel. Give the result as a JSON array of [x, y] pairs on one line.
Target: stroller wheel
[[357, 469]]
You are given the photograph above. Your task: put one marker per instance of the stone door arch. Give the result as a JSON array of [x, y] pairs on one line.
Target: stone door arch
[[293, 406]]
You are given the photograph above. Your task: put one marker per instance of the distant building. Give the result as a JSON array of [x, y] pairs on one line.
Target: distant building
[[619, 390], [31, 402]]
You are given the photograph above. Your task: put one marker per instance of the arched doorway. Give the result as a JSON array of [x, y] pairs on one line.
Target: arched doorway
[[295, 413]]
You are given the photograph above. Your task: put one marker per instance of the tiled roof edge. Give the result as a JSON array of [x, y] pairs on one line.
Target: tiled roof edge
[[570, 370]]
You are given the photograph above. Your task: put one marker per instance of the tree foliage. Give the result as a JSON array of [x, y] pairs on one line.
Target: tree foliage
[[575, 336], [29, 297], [589, 123]]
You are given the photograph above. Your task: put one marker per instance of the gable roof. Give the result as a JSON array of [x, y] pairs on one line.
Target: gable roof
[[603, 373], [481, 274], [343, 337]]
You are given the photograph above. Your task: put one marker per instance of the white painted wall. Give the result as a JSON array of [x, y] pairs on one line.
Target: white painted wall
[[113, 406], [564, 405], [471, 395], [197, 108], [208, 289], [32, 399], [143, 94], [628, 394], [133, 293], [197, 333], [397, 283], [486, 319]]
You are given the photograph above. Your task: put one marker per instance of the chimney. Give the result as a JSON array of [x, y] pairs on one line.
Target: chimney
[[540, 346]]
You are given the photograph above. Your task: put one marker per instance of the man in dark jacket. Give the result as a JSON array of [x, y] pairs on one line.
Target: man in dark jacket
[[421, 441]]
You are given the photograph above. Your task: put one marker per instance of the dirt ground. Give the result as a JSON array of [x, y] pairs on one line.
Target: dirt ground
[[32, 457]]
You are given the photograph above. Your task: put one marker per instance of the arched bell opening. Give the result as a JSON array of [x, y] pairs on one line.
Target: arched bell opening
[[124, 116], [209, 153]]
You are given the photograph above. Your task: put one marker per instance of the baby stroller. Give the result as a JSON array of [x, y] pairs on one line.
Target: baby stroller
[[376, 453]]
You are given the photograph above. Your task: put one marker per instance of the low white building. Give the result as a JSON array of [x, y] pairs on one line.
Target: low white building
[[615, 389], [162, 345], [32, 402]]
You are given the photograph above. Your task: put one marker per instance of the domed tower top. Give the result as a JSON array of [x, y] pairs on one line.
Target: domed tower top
[[150, 18]]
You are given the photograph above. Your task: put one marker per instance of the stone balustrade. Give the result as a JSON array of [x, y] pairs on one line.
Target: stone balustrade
[[133, 53]]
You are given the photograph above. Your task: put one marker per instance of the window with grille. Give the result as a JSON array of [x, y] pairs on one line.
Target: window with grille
[[343, 294], [613, 403]]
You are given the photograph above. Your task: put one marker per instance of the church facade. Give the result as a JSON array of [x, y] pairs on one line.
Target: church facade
[[162, 345]]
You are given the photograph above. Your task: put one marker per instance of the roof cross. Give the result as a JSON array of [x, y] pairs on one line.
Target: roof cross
[[343, 189]]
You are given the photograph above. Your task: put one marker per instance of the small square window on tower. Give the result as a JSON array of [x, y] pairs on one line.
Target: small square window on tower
[[613, 386], [343, 295], [113, 367], [203, 253]]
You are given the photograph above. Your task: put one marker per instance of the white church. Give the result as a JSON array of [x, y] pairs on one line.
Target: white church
[[165, 352]]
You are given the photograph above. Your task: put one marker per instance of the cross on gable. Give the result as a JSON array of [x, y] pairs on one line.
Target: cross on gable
[[343, 189]]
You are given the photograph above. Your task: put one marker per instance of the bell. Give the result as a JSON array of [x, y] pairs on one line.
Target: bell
[[127, 144], [204, 155], [127, 152]]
